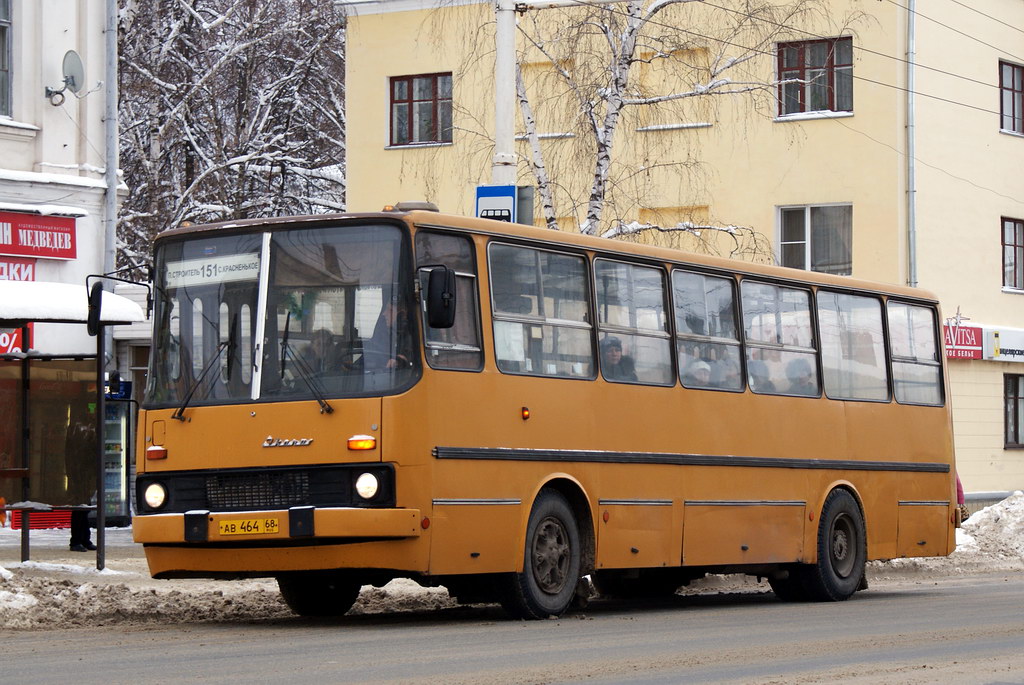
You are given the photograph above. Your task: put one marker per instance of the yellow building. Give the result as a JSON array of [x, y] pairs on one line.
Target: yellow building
[[875, 141]]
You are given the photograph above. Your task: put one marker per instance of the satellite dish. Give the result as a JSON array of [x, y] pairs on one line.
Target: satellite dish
[[74, 71]]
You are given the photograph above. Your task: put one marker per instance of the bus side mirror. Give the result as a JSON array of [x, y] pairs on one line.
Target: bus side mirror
[[441, 297], [92, 322]]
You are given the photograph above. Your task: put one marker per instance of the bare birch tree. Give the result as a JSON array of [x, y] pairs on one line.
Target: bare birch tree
[[229, 109], [602, 58]]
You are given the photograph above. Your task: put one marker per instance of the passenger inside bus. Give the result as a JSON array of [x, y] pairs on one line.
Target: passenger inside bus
[[760, 377], [698, 374], [801, 377], [322, 354], [614, 365]]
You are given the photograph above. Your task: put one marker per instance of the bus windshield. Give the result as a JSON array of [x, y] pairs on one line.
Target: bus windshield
[[338, 316]]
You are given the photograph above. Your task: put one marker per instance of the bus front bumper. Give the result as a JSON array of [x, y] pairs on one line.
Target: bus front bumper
[[296, 524]]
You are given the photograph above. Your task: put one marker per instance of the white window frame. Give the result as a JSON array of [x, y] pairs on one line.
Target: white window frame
[[779, 243], [7, 27]]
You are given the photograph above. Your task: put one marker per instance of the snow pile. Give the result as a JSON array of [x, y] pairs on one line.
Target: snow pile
[[999, 529], [36, 595]]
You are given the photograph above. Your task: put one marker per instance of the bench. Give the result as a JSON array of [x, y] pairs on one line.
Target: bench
[[26, 509]]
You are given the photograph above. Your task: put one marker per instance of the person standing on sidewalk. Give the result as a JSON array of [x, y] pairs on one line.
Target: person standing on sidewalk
[[80, 469]]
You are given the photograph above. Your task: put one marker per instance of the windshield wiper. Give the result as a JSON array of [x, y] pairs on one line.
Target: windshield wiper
[[305, 373], [179, 413]]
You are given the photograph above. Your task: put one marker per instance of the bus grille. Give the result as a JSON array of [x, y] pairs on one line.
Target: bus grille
[[257, 490], [262, 488]]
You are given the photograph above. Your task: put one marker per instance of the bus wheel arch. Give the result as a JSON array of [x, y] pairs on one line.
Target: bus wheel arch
[[577, 498], [553, 554]]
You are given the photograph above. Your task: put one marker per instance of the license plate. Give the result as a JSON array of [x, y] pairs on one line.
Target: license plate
[[248, 526]]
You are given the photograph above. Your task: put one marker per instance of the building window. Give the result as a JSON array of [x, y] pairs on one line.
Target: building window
[[816, 76], [1011, 89], [5, 58], [1013, 254], [817, 238], [421, 109], [1014, 393]]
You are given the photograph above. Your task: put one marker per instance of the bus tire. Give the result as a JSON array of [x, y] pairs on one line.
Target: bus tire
[[318, 593], [551, 561], [842, 550]]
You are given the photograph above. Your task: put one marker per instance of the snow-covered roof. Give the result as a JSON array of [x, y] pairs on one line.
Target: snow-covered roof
[[22, 301], [44, 209]]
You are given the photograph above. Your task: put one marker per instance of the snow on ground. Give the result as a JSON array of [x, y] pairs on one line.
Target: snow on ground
[[67, 590]]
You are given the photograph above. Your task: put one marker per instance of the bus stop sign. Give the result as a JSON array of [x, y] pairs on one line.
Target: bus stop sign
[[496, 202]]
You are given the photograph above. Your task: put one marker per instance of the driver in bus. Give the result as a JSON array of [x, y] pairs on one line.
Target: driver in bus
[[388, 347]]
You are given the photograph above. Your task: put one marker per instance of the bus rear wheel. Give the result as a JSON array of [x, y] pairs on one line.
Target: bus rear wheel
[[318, 593], [551, 562], [842, 550]]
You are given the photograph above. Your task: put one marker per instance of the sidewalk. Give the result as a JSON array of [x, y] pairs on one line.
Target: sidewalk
[[50, 546]]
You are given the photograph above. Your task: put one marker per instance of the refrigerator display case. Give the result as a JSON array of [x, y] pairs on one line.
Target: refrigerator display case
[[117, 460]]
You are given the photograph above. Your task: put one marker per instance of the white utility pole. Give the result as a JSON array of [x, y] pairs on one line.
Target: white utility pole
[[503, 164]]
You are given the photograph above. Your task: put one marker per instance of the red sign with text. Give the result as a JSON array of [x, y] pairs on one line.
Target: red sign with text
[[963, 342], [33, 235], [16, 269]]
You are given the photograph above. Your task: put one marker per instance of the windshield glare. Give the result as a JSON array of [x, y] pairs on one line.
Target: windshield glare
[[340, 317]]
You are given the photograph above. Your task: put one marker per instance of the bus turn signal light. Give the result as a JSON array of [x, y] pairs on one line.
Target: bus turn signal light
[[362, 442], [156, 452]]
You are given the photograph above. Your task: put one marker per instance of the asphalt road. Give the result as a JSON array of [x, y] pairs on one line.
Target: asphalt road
[[964, 630]]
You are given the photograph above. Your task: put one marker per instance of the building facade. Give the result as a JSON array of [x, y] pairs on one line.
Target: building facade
[[51, 152], [884, 143]]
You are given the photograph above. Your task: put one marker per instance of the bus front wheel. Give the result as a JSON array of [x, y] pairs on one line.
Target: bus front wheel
[[842, 550], [318, 593], [551, 565]]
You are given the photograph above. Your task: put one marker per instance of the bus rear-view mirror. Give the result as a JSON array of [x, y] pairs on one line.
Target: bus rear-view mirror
[[441, 298]]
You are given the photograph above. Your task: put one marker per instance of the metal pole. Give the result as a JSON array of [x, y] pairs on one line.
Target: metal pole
[[911, 147], [101, 424], [26, 462], [111, 149], [503, 165]]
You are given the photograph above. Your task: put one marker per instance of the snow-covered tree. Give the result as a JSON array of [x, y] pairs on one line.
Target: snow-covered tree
[[228, 109]]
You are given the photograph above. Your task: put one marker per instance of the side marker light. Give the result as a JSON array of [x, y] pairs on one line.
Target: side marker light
[[362, 442]]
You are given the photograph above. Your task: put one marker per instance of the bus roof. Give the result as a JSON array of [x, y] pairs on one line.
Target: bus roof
[[558, 239]]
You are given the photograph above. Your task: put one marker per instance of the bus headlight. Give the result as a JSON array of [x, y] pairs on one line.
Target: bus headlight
[[155, 495], [367, 485]]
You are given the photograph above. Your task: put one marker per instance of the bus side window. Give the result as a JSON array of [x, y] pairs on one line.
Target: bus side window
[[781, 356], [852, 347], [540, 301], [634, 338], [708, 344], [916, 368], [457, 347]]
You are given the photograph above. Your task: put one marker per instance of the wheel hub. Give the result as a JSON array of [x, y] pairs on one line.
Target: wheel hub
[[551, 555]]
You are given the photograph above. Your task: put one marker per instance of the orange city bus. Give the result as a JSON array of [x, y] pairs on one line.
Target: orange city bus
[[340, 400]]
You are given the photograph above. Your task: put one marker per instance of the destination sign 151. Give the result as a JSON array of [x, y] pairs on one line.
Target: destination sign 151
[[212, 270]]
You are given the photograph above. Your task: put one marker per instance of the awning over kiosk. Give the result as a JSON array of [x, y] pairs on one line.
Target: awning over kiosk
[[38, 301]]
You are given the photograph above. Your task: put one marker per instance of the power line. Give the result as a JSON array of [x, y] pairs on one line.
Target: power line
[[988, 16], [859, 48], [958, 31], [773, 54], [924, 163]]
